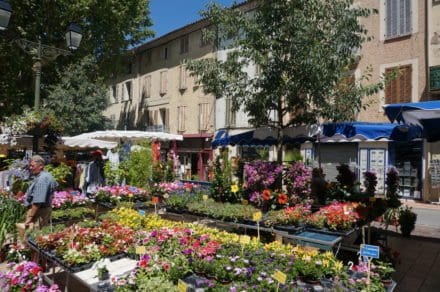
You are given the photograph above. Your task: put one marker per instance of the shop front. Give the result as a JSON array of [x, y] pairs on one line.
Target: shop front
[[195, 157]]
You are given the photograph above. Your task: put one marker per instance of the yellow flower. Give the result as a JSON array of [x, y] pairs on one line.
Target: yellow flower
[[234, 188]]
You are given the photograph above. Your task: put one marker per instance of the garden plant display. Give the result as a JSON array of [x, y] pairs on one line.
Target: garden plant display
[[24, 277]]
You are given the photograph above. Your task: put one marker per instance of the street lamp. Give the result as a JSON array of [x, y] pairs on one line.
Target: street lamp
[[39, 51]]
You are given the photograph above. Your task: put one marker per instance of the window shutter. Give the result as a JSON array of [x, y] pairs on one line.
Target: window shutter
[[407, 16], [406, 86], [182, 81], [181, 118], [163, 82], [167, 120]]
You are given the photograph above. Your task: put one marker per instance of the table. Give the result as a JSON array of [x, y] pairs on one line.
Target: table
[[116, 268]]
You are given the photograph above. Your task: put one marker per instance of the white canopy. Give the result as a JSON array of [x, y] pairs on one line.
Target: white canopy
[[74, 142], [116, 134]]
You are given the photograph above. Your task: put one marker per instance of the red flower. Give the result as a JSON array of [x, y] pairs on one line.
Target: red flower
[[266, 195], [282, 199]]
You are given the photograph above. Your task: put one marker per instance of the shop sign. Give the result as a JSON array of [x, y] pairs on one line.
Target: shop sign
[[371, 251], [434, 77]]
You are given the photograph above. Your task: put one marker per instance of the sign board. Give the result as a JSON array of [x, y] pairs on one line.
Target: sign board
[[245, 239], [371, 251], [280, 277], [434, 77], [257, 216], [181, 286], [141, 250]]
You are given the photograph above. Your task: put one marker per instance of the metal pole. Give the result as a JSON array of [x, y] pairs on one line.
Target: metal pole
[[37, 70]]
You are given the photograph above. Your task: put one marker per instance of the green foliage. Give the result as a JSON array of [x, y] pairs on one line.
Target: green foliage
[[138, 167], [113, 176], [303, 49], [407, 220], [221, 185], [11, 212], [155, 283], [169, 171], [79, 98], [108, 32], [61, 173]]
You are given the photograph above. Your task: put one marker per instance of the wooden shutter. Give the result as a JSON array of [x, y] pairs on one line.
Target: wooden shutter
[[181, 118], [163, 82], [399, 90], [182, 79]]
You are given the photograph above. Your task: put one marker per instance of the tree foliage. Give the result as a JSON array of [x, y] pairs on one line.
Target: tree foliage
[[109, 28], [79, 99], [304, 50]]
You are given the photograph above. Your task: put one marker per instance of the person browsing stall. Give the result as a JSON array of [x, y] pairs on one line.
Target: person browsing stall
[[39, 194]]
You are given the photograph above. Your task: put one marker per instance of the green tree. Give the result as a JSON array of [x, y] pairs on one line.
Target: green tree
[[303, 49], [79, 99], [110, 28]]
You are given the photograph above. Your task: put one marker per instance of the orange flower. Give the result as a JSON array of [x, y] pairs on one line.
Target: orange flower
[[266, 195], [282, 199]]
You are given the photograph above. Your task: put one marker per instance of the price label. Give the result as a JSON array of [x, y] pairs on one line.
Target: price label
[[205, 197], [181, 286], [245, 239], [280, 277], [257, 216], [155, 200], [141, 250], [142, 212]]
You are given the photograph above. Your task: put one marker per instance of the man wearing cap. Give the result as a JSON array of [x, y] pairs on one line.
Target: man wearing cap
[[39, 194]]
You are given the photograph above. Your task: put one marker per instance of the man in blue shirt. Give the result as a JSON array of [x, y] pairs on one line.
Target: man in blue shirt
[[39, 194]]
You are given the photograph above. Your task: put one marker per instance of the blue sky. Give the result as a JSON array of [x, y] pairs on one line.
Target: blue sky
[[169, 15]]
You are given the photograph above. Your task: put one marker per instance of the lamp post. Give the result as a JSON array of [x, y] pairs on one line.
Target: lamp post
[[37, 50]]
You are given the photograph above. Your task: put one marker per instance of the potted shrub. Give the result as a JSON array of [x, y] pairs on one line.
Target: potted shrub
[[407, 220]]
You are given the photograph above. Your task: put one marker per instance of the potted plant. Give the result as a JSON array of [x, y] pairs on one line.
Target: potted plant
[[103, 273], [385, 270], [407, 220]]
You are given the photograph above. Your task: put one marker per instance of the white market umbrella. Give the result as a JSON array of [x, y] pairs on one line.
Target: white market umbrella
[[118, 134], [75, 142]]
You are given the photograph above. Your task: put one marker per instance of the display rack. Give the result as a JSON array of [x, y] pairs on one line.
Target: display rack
[[409, 181]]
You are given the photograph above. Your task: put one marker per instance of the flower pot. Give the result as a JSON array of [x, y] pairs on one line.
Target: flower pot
[[103, 276], [387, 282]]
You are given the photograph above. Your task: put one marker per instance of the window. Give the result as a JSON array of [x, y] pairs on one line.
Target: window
[[146, 90], [230, 115], [165, 53], [181, 118], [165, 118], [398, 18], [182, 79], [204, 116], [147, 58], [184, 44], [399, 90], [163, 82]]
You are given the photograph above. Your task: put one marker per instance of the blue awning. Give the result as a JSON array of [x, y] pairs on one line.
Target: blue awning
[[371, 131], [223, 138], [423, 114], [395, 111]]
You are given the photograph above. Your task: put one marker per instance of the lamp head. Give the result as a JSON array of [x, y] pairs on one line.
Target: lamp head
[[5, 14], [73, 36]]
